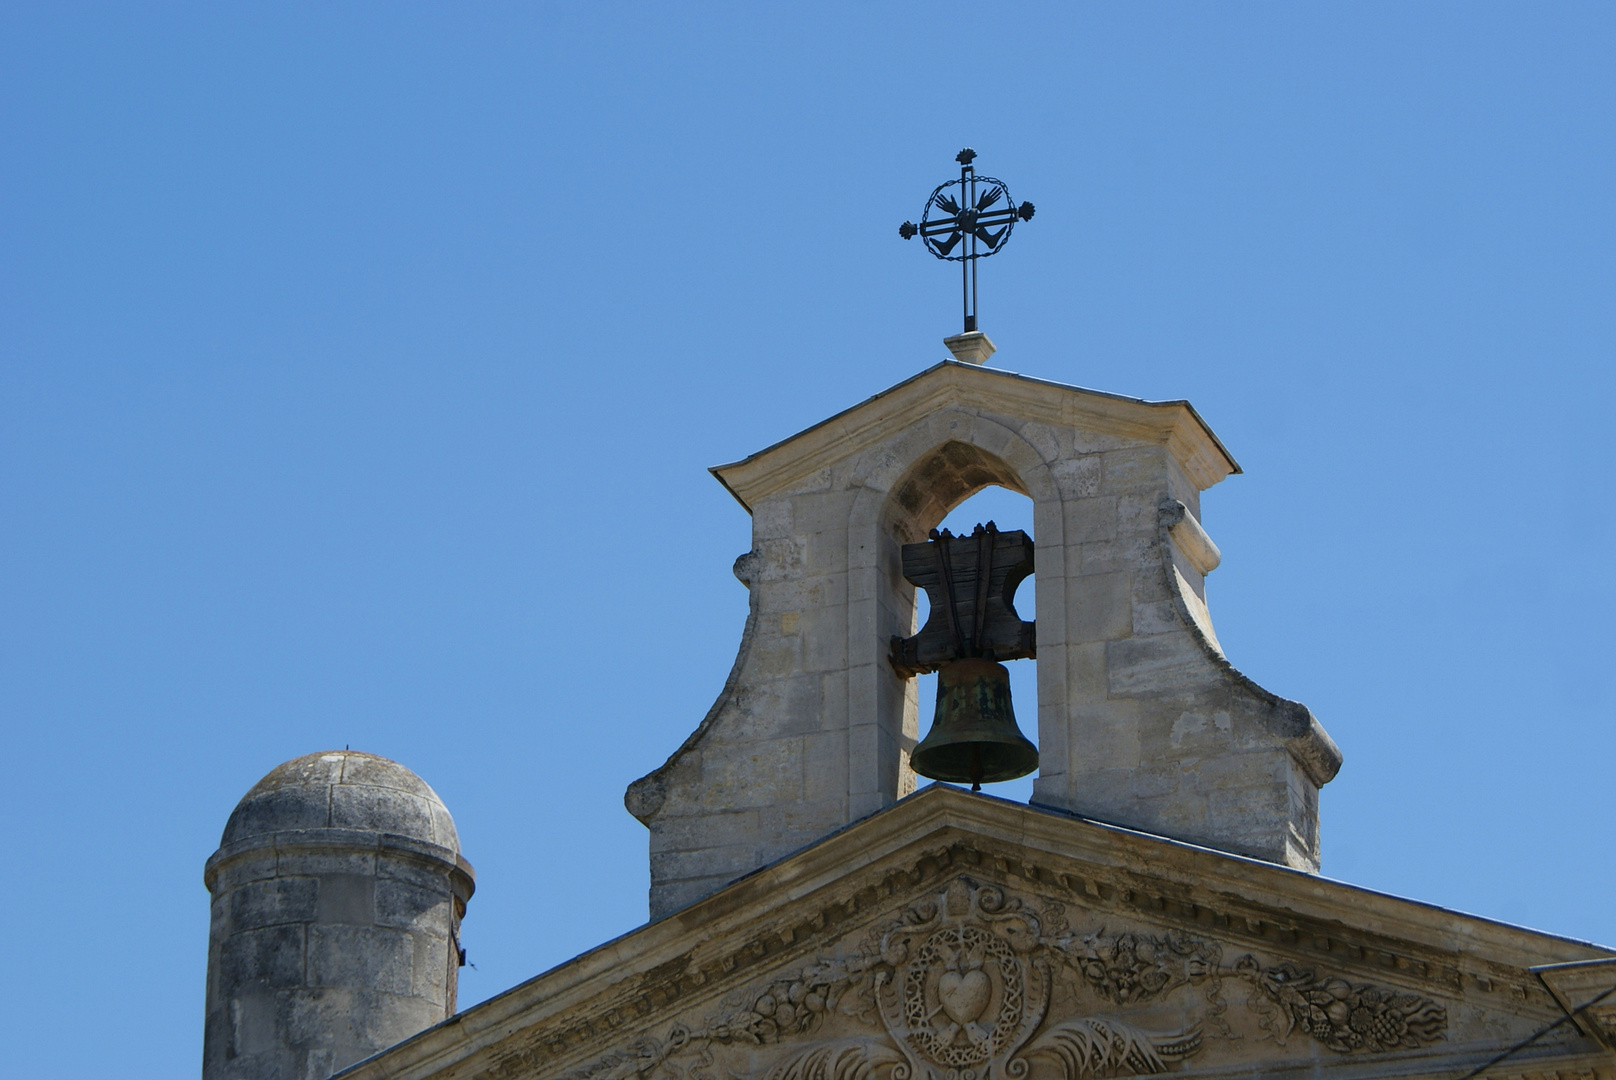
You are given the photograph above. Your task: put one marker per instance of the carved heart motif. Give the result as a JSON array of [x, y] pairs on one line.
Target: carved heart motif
[[963, 997]]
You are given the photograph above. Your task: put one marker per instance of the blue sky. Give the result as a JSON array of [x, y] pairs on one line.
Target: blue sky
[[360, 366]]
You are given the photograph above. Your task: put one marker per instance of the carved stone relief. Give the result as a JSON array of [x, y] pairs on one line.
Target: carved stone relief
[[1341, 1015], [972, 983]]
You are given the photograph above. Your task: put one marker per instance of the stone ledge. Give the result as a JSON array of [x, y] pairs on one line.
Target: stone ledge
[[344, 842]]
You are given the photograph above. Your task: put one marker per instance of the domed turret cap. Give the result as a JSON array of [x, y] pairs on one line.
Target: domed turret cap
[[338, 797]]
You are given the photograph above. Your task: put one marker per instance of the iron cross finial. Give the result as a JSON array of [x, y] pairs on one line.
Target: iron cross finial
[[976, 220]]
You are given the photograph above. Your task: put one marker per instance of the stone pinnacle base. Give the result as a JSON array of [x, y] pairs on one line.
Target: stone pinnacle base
[[971, 347]]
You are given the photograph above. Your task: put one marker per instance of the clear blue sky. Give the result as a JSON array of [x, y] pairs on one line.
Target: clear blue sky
[[360, 367]]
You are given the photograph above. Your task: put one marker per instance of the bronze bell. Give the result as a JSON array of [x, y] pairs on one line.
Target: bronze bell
[[974, 737]]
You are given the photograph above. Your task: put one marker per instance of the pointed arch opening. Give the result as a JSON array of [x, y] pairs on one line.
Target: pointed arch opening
[[957, 487]]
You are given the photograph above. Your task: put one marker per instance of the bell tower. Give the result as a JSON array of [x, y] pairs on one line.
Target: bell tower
[[1142, 721]]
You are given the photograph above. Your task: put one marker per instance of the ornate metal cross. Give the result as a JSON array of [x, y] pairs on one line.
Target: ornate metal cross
[[968, 224]]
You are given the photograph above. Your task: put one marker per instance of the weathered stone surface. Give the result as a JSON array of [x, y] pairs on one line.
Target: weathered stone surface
[[956, 934], [1126, 647], [338, 889]]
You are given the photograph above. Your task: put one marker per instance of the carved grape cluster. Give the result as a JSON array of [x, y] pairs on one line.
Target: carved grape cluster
[[790, 1007], [1340, 1015], [797, 1004], [1126, 970]]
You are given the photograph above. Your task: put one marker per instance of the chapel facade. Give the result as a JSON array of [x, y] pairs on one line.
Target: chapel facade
[[1156, 908]]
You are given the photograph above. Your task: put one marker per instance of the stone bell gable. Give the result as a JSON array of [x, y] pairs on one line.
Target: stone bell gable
[[960, 937], [1141, 720]]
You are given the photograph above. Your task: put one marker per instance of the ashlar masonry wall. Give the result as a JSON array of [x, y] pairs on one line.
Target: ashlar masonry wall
[[1142, 721]]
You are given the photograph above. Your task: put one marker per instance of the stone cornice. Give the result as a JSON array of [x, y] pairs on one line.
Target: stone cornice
[[1175, 424], [344, 842], [805, 900]]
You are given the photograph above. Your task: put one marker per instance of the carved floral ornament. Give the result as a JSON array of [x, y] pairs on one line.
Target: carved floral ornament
[[959, 987]]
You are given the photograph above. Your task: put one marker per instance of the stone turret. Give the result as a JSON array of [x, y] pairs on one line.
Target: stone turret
[[338, 890], [1142, 721]]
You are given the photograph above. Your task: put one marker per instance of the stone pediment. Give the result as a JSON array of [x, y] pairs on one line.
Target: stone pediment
[[960, 937], [872, 421]]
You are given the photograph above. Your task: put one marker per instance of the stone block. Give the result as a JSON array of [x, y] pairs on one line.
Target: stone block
[[321, 863], [755, 776], [1157, 780], [271, 902], [1088, 441], [823, 480], [773, 656], [254, 1026], [354, 805], [1123, 553], [1135, 469], [825, 758], [1104, 736], [692, 832], [1182, 488], [1107, 794], [1156, 617], [371, 771], [1053, 745], [1257, 814], [1153, 665], [1152, 584], [824, 512], [1044, 439], [1099, 607], [443, 827], [411, 872], [1267, 771], [1201, 731], [1049, 534], [367, 956], [256, 866], [873, 583], [272, 956], [827, 553], [1181, 814], [715, 862], [409, 907], [825, 639], [776, 560], [668, 896], [333, 1028], [1091, 520], [279, 811], [432, 963], [1138, 514], [347, 898], [1084, 676], [1078, 477], [771, 518], [989, 434], [799, 707]]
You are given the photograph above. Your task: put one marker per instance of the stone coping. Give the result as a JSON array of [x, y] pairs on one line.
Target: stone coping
[[1176, 422]]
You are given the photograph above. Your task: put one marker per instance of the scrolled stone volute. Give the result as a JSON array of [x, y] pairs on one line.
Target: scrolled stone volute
[[338, 890]]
